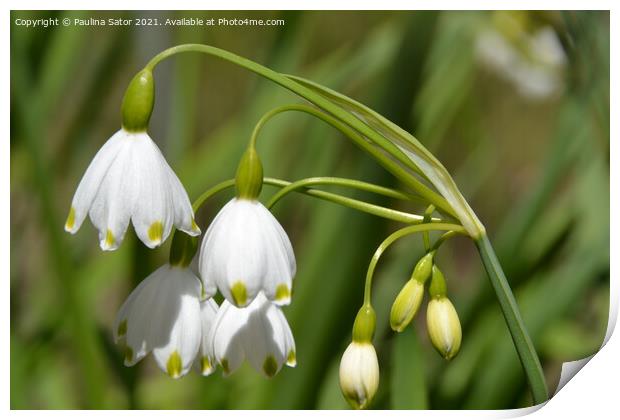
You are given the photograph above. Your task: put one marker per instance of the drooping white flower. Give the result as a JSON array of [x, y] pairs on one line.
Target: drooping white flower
[[163, 315], [246, 251], [359, 374], [258, 333], [534, 63], [129, 179]]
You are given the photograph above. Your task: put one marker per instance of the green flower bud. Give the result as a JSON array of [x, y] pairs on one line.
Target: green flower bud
[[438, 284], [138, 102], [444, 327], [249, 178], [183, 249], [406, 305], [364, 325], [422, 270]]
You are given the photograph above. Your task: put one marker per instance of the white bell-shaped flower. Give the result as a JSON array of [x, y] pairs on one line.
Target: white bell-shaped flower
[[359, 374], [258, 332], [130, 179], [246, 251], [163, 315]]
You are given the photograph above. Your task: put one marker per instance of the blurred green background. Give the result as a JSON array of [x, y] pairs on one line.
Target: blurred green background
[[515, 104]]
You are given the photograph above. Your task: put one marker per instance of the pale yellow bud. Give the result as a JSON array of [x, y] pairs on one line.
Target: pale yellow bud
[[359, 374], [406, 305], [444, 327]]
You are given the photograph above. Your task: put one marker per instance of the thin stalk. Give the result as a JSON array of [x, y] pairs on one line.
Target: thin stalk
[[317, 99], [386, 213], [409, 230], [341, 182], [387, 163], [352, 203], [425, 235], [442, 239], [510, 310]]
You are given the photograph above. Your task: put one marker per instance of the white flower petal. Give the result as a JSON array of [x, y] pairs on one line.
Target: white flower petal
[[226, 337], [176, 328], [113, 205], [183, 214], [89, 185], [153, 214], [231, 254], [138, 314], [208, 313], [278, 280], [264, 341]]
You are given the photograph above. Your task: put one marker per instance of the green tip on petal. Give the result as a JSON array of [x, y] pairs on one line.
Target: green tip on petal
[[195, 227], [239, 293], [282, 292], [70, 219], [225, 367], [122, 328], [174, 365], [270, 366], [205, 365], [128, 354], [156, 231], [291, 359], [109, 238]]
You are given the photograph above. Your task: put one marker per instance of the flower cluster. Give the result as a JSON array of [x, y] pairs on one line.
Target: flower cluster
[[245, 254], [359, 366]]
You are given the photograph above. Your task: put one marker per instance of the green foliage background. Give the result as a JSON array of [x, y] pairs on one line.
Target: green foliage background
[[536, 172]]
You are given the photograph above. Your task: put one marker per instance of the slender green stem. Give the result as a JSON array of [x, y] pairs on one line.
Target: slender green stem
[[385, 161], [442, 239], [409, 230], [425, 235], [341, 182], [211, 192], [386, 213], [363, 206], [378, 140], [520, 337]]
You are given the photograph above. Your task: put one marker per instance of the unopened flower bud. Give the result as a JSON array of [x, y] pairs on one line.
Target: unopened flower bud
[[406, 305], [444, 327], [249, 177], [408, 301], [138, 102], [359, 374]]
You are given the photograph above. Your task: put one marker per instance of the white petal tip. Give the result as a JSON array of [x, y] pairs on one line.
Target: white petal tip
[[70, 225], [282, 296], [108, 242], [291, 359]]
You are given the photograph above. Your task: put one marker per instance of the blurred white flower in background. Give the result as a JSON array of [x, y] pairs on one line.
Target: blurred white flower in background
[[532, 61]]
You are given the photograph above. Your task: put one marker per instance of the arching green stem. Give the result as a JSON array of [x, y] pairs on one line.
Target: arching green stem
[[377, 141], [383, 159], [211, 192], [341, 182], [409, 230], [442, 239]]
